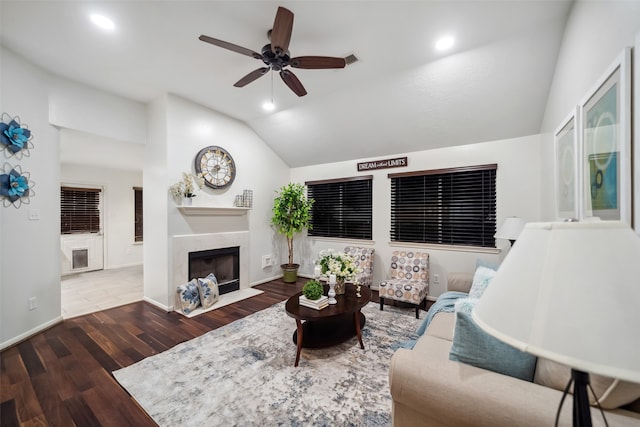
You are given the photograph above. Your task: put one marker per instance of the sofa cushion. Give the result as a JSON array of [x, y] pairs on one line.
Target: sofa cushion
[[612, 393], [442, 326], [473, 346]]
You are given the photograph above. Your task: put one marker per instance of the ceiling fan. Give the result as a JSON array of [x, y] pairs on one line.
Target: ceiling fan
[[276, 55]]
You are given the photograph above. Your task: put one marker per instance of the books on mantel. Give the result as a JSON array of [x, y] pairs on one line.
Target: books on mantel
[[317, 304]]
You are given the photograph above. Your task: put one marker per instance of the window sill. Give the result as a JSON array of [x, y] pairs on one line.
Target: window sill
[[453, 248]]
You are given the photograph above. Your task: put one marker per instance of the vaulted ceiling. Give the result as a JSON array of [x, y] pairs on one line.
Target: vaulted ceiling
[[402, 94]]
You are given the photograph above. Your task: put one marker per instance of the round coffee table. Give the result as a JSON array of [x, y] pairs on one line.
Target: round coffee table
[[331, 325]]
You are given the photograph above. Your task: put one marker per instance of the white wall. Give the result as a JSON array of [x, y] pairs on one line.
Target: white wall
[[596, 33], [118, 208], [179, 129], [517, 187], [73, 105], [30, 264]]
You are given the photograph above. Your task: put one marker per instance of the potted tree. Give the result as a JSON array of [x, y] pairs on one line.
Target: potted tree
[[291, 215]]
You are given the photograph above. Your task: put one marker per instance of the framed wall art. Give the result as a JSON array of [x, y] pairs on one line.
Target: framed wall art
[[567, 176], [606, 144]]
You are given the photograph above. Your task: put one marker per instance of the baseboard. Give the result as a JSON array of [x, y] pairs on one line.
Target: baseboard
[[260, 282], [157, 304], [30, 333]]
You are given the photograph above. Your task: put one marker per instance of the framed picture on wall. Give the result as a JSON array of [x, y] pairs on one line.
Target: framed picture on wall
[[567, 177], [606, 144]]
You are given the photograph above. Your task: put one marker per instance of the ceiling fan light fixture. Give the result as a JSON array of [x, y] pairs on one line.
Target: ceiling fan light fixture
[[445, 43], [102, 21], [269, 106]]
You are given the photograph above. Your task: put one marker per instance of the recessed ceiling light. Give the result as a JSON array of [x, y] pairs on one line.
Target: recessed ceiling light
[[444, 43], [269, 106], [102, 21]]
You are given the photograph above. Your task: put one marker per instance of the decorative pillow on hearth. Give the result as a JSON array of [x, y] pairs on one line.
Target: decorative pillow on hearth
[[188, 296], [208, 289]]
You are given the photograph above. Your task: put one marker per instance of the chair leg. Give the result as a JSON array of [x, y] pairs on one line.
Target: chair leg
[[417, 311], [381, 304]]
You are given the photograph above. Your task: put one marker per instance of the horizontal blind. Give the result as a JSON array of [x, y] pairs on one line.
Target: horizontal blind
[[79, 210], [342, 208], [137, 215], [456, 207]]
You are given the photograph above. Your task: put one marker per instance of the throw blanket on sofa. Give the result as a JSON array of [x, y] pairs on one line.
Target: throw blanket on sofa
[[445, 303]]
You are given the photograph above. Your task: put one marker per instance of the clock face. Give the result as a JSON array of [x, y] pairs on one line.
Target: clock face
[[217, 166]]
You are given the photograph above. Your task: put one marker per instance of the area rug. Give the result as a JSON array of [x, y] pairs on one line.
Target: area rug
[[242, 374]]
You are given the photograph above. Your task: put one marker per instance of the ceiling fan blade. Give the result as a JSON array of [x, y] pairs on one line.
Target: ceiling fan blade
[[292, 81], [281, 32], [230, 46], [317, 62], [254, 75]]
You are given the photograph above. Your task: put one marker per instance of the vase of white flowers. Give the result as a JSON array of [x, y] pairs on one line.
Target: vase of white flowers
[[185, 188], [340, 264]]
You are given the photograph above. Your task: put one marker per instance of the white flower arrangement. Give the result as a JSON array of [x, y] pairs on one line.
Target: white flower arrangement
[[186, 186], [338, 263]]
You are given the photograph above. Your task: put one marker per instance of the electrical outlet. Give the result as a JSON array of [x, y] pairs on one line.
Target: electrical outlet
[[267, 261], [436, 279], [34, 214], [33, 303]]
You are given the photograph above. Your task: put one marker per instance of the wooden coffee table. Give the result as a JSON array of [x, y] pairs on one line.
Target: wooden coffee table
[[331, 325]]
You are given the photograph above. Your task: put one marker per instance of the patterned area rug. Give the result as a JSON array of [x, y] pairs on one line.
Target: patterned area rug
[[242, 374]]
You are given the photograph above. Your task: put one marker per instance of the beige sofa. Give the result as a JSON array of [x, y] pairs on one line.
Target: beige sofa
[[428, 389]]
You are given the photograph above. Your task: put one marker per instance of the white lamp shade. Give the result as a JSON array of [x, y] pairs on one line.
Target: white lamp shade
[[570, 292], [510, 228]]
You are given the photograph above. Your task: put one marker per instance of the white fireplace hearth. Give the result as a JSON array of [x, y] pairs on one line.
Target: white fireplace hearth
[[183, 244]]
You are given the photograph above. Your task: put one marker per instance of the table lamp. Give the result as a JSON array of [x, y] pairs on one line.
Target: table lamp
[[569, 292], [510, 229]]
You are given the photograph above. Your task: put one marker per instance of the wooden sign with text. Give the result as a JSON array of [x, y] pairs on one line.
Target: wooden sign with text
[[382, 164]]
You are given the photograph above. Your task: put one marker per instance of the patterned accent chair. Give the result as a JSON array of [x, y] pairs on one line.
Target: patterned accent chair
[[364, 259], [409, 281]]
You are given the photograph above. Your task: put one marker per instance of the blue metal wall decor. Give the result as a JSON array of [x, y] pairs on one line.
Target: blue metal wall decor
[[16, 186], [15, 138]]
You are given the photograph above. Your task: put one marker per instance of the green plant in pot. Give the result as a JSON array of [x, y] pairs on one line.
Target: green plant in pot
[[291, 215], [313, 290]]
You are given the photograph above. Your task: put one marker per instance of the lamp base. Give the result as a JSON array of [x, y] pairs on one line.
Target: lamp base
[[581, 409]]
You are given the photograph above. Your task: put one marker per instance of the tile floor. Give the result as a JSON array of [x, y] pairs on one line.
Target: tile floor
[[93, 291]]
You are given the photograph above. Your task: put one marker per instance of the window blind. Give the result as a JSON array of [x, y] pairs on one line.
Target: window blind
[[342, 207], [447, 206], [137, 214], [79, 210]]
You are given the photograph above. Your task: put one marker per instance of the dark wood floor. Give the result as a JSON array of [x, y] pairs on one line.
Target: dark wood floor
[[62, 376]]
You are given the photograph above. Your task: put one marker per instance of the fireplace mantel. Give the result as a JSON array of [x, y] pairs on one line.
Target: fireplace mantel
[[212, 210]]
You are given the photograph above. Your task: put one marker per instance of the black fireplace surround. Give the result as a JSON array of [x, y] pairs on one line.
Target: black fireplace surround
[[224, 263]]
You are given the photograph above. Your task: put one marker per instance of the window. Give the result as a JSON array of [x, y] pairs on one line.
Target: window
[[342, 207], [447, 206], [137, 214], [79, 210]]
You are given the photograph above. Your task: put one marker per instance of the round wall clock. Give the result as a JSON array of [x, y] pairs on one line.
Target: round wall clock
[[216, 166]]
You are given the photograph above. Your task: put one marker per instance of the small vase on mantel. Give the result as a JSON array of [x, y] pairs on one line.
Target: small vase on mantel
[[187, 201]]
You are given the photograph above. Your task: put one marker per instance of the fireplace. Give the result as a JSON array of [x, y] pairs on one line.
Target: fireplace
[[224, 263], [183, 245]]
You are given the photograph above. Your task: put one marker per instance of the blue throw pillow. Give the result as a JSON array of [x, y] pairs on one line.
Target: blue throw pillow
[[473, 346], [481, 279]]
